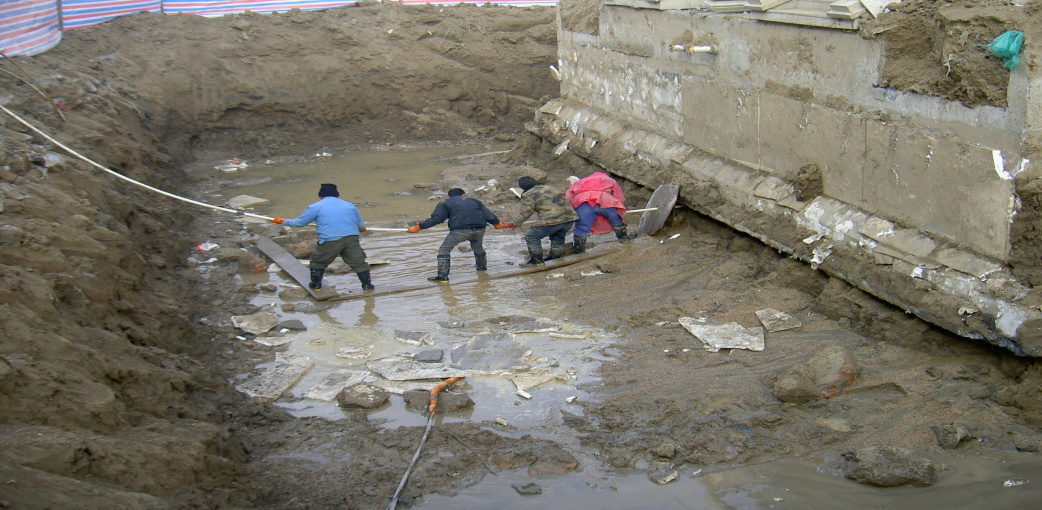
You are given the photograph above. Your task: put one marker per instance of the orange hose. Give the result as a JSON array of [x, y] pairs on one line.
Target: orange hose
[[437, 389]]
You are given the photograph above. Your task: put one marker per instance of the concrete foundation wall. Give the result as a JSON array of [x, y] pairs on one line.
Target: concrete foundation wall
[[777, 102]]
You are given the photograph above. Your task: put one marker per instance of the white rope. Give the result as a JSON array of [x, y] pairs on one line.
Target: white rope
[[128, 179]]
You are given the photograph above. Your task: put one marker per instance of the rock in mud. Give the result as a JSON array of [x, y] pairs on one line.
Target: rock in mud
[[552, 461], [887, 466], [365, 396], [447, 402], [950, 435], [662, 472], [665, 450], [528, 489], [823, 376], [431, 356], [292, 325], [796, 386]]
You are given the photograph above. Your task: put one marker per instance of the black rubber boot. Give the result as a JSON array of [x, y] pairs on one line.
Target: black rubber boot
[[556, 252], [579, 244], [366, 280], [535, 254], [481, 262], [316, 278], [620, 233], [443, 271]]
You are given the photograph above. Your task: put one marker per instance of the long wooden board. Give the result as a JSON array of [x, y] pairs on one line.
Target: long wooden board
[[553, 264], [299, 272]]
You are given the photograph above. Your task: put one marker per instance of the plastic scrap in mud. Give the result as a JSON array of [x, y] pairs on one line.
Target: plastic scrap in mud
[[329, 387], [715, 336], [520, 324], [273, 381], [246, 201], [232, 165], [257, 323], [416, 338], [530, 380], [776, 320]]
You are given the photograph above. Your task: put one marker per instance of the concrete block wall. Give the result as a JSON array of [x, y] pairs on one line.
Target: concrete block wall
[[740, 125]]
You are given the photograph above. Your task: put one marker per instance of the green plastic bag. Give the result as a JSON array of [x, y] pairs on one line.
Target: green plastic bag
[[1008, 47]]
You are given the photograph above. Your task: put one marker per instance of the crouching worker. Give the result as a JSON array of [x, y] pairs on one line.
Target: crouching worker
[[468, 218], [601, 206], [554, 214], [338, 224]]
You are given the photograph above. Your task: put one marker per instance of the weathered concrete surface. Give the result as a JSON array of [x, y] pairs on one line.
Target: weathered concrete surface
[[784, 135]]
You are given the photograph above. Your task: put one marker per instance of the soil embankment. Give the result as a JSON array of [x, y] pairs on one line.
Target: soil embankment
[[117, 351]]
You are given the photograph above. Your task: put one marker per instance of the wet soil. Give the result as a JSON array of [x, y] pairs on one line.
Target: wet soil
[[118, 358]]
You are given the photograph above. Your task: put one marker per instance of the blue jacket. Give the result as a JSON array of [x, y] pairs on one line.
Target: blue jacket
[[334, 219]]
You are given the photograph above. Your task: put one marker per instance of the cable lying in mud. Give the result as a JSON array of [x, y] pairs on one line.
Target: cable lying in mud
[[423, 440], [128, 179]]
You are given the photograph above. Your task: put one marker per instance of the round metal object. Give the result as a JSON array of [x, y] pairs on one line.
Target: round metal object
[[664, 198]]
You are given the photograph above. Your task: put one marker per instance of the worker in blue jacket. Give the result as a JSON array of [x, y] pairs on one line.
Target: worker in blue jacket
[[467, 218], [338, 224]]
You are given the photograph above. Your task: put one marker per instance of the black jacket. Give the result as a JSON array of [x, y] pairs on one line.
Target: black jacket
[[462, 212]]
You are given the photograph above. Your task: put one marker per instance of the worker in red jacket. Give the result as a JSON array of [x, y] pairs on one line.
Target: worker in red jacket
[[601, 206]]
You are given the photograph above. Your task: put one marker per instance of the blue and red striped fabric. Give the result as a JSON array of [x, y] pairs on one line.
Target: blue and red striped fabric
[[84, 13], [28, 27], [222, 7]]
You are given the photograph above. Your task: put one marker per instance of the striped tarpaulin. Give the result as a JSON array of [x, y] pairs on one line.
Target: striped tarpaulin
[[519, 3], [84, 13], [28, 27], [222, 7]]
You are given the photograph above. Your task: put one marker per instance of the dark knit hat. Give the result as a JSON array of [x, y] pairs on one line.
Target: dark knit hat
[[328, 190], [455, 192], [526, 183]]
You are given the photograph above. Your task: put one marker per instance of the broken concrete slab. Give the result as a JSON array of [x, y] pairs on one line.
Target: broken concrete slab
[[490, 352], [256, 323], [431, 356], [246, 202], [405, 369], [330, 386], [364, 396], [416, 338], [353, 353], [530, 380], [715, 336], [776, 320], [278, 377], [400, 387]]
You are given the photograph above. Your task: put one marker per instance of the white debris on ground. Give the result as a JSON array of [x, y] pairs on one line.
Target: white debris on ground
[[715, 336]]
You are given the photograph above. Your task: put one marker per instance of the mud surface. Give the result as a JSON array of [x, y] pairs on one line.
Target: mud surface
[[118, 357]]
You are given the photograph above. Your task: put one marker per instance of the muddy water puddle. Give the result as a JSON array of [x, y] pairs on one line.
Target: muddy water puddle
[[485, 324]]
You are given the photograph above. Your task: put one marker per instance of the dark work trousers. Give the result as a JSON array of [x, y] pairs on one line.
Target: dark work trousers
[[556, 233], [458, 235], [347, 248], [588, 213]]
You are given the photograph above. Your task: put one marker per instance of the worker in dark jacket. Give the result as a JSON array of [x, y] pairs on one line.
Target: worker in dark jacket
[[338, 224], [554, 218], [468, 218]]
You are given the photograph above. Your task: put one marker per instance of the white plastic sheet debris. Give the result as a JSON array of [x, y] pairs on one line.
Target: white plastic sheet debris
[[232, 165], [777, 320], [672, 237], [530, 380], [276, 378], [715, 336]]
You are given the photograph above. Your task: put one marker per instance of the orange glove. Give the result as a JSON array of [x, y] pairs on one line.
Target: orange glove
[[278, 220], [414, 229], [500, 225], [361, 229]]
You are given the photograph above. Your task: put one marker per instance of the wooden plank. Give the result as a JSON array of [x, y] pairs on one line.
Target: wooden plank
[[299, 272], [553, 264]]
